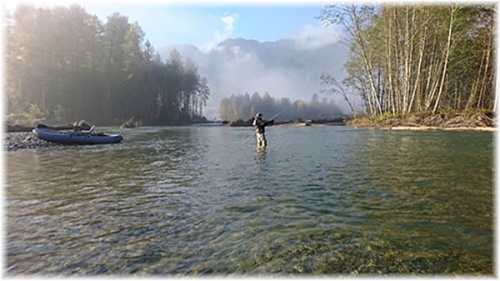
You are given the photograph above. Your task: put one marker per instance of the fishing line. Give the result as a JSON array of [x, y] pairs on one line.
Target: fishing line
[[293, 101], [283, 110]]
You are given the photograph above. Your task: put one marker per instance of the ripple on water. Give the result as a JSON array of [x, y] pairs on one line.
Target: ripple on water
[[194, 200]]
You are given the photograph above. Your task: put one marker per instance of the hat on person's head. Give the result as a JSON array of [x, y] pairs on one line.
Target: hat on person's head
[[258, 115]]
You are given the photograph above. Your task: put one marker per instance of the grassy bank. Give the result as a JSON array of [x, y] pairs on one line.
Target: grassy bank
[[446, 120]]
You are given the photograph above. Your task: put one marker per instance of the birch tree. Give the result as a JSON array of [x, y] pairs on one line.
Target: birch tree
[[354, 19], [418, 57]]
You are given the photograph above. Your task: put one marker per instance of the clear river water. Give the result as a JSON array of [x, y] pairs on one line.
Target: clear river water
[[202, 200]]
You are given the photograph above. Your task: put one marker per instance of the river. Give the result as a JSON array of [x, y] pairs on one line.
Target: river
[[203, 200]]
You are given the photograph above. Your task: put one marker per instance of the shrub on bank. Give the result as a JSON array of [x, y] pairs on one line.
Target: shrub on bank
[[443, 119]]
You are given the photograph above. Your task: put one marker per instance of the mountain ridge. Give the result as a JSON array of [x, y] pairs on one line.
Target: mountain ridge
[[281, 68]]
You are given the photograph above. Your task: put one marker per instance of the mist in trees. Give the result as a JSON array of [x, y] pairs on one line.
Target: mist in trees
[[244, 107], [64, 64], [416, 57]]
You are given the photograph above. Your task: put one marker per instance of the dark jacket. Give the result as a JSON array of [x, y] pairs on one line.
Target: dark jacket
[[260, 124]]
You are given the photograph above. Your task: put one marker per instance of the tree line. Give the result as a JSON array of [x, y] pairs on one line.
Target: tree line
[[244, 107], [65, 64], [416, 57]]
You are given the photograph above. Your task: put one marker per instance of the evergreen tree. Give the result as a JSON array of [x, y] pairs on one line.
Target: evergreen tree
[[63, 63]]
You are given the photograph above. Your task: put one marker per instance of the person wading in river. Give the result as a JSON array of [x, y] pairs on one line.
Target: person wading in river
[[260, 130]]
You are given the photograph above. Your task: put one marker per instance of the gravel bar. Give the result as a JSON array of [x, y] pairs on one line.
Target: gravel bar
[[23, 140]]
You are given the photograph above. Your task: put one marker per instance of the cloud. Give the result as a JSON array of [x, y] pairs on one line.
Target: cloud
[[239, 55], [228, 20], [316, 36]]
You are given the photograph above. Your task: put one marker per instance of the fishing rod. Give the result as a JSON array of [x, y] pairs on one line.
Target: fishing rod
[[283, 110], [291, 103]]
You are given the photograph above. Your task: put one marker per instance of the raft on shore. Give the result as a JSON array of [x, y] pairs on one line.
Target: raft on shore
[[80, 137]]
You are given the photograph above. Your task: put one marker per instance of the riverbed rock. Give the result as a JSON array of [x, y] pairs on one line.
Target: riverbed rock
[[23, 140], [131, 123], [469, 120]]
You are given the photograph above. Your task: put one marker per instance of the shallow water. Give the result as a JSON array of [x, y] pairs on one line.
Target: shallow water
[[203, 200]]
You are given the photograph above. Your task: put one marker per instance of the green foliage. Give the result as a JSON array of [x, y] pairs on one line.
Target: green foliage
[[385, 116], [60, 113], [34, 112], [410, 58], [16, 118], [66, 62], [26, 117]]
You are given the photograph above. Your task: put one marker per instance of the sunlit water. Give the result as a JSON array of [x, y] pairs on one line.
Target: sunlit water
[[203, 200]]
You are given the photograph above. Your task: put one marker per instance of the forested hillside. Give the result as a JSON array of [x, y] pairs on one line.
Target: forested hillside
[[244, 107], [417, 58], [281, 68], [65, 64]]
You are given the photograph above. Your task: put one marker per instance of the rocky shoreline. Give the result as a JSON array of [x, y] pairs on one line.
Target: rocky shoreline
[[22, 137], [424, 121], [14, 141]]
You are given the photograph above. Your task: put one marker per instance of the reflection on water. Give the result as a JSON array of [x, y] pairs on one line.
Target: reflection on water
[[260, 159], [201, 200]]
